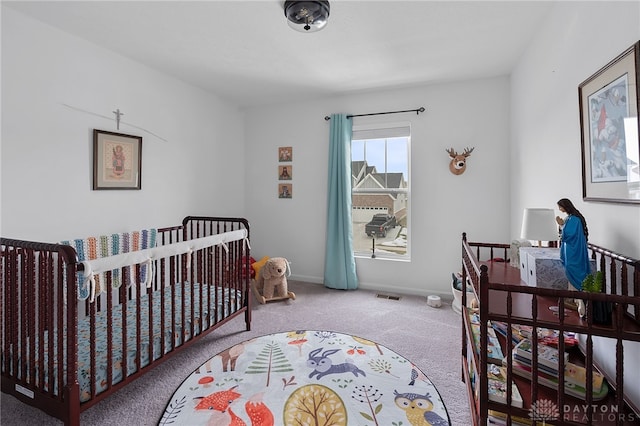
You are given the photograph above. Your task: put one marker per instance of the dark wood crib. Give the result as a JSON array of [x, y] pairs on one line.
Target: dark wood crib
[[63, 355]]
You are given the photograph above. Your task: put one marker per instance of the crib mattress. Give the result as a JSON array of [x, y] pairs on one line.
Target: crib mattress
[[228, 301]]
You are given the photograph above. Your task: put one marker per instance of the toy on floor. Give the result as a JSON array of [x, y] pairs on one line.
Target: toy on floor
[[271, 283]]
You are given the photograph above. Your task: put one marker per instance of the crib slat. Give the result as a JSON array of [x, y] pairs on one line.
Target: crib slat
[[38, 295], [12, 311], [108, 283], [150, 314], [27, 266], [92, 349]]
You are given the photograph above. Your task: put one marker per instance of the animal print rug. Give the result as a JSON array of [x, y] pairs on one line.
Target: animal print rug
[[306, 378]]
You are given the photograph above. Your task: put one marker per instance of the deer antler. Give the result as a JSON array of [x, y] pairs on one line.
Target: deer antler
[[467, 152], [452, 153]]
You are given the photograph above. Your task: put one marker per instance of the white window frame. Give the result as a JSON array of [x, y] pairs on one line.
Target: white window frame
[[373, 131]]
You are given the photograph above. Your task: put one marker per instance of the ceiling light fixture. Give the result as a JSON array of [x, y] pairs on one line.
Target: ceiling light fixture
[[307, 16]]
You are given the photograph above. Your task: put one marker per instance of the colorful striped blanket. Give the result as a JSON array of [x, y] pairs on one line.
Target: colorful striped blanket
[[109, 245]]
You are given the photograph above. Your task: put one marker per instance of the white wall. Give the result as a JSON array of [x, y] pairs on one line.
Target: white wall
[[470, 113], [47, 147], [577, 40]]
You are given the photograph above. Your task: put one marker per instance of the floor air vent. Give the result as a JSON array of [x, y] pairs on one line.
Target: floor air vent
[[387, 296]]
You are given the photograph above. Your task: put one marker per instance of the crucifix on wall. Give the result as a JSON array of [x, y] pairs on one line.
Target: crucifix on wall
[[118, 115]]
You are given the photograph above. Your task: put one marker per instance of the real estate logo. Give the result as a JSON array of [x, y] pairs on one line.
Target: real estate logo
[[543, 410]]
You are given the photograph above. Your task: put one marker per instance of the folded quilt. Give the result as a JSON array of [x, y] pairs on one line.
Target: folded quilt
[[120, 252], [104, 246], [145, 257]]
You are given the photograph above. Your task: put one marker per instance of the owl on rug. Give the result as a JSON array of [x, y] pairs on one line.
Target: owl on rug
[[418, 409]]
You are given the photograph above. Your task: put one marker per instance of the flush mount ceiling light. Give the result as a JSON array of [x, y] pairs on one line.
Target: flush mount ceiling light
[[307, 16]]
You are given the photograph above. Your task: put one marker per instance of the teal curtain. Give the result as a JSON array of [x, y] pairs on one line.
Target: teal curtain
[[340, 264]]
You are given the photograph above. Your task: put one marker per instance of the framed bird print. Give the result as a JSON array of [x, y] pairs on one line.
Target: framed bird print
[[609, 131]]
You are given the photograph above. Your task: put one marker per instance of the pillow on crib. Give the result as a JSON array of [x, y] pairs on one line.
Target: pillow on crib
[[258, 265]]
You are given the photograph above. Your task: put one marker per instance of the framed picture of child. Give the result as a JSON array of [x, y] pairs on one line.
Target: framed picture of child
[[285, 172], [285, 190], [117, 160], [285, 153]]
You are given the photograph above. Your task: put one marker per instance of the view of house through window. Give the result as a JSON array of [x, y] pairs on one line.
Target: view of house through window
[[380, 190]]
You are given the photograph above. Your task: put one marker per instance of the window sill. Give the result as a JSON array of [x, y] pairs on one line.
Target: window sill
[[382, 257]]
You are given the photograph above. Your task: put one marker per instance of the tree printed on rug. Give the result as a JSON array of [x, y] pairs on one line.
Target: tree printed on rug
[[306, 378], [270, 360]]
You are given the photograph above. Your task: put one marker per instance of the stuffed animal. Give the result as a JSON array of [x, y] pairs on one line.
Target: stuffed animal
[[257, 266], [272, 280]]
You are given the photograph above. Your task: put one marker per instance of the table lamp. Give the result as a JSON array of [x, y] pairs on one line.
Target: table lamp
[[539, 225]]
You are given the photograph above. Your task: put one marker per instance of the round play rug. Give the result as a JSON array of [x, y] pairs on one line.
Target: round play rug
[[306, 378]]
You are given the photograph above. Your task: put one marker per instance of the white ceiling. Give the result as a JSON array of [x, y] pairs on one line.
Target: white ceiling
[[245, 52]]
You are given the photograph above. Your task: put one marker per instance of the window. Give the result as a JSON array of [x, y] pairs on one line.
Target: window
[[380, 190]]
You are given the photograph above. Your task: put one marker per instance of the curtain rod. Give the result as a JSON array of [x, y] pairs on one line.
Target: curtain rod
[[417, 111]]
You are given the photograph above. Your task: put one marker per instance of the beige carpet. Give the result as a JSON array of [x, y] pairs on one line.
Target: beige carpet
[[428, 337]]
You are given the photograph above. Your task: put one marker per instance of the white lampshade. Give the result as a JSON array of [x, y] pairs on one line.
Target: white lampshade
[[539, 225]]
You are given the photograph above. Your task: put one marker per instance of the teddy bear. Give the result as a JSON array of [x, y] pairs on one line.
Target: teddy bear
[[272, 279]]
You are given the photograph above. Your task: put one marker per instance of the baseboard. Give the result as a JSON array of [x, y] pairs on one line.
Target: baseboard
[[306, 279], [445, 296]]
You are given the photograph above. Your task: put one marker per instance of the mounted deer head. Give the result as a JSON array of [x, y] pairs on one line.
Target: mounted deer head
[[458, 163]]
